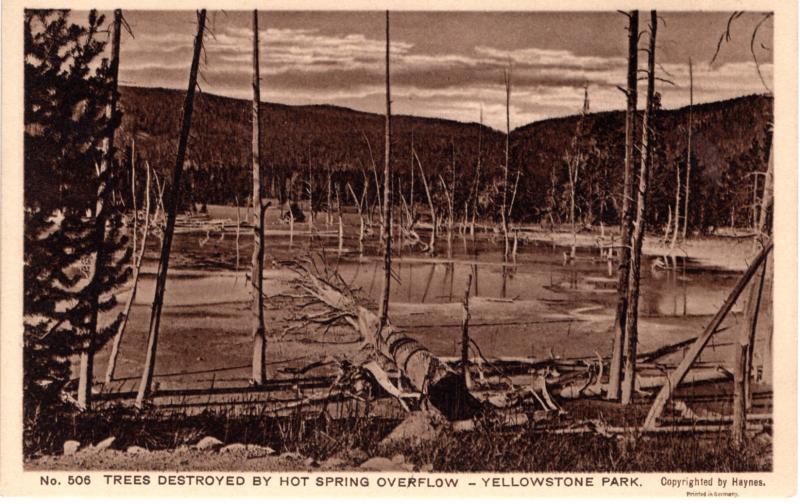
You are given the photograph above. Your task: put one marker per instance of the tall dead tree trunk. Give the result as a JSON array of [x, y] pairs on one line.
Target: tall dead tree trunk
[[329, 208], [465, 335], [259, 367], [693, 352], [86, 373], [386, 225], [411, 204], [504, 211], [310, 196], [174, 204], [637, 237], [135, 225], [117, 341], [615, 370], [688, 153], [677, 206], [434, 223], [360, 207], [742, 361], [574, 167], [476, 186]]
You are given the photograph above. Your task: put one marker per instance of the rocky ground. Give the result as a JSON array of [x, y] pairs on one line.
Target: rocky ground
[[211, 454]]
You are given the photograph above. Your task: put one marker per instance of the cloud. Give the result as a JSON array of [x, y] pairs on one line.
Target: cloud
[[301, 66]]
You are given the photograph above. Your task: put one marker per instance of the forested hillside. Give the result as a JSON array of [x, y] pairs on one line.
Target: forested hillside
[[343, 143]]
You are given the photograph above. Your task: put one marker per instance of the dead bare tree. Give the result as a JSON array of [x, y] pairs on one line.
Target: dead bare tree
[[386, 224], [504, 209], [135, 225], [688, 153], [637, 236], [163, 265], [743, 358], [377, 182], [693, 352], [339, 215], [359, 203], [411, 203], [329, 208], [310, 188], [574, 162], [434, 219], [86, 373], [465, 335], [615, 371], [476, 183], [112, 358], [449, 197], [259, 365]]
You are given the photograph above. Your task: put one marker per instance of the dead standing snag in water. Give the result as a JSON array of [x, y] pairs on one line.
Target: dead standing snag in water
[[163, 265], [259, 366]]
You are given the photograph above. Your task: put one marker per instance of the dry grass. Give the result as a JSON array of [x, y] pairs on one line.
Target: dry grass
[[490, 447]]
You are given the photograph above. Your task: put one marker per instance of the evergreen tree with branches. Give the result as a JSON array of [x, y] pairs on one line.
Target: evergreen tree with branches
[[67, 284]]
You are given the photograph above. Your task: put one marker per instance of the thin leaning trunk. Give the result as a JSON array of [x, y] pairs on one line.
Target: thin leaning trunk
[[386, 225], [112, 358], [133, 200], [615, 370], [86, 373], [637, 237], [163, 265]]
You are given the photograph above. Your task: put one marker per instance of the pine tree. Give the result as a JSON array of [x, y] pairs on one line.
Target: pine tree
[[66, 93]]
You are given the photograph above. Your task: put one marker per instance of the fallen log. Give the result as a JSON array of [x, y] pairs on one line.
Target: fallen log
[[441, 387]]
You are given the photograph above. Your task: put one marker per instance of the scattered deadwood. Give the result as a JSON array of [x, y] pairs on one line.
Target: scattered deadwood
[[441, 387], [677, 376]]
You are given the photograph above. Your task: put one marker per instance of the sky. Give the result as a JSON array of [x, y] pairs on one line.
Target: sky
[[447, 64]]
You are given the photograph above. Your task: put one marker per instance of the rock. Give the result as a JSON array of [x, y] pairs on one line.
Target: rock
[[399, 459], [763, 439], [418, 426], [105, 444], [357, 455], [71, 447], [182, 448], [136, 450], [310, 462], [260, 451], [333, 463], [381, 464], [426, 468], [208, 443], [292, 456], [234, 448]]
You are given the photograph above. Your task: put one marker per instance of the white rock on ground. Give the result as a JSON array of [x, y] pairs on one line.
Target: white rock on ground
[[71, 447], [136, 450], [417, 427], [382, 464], [333, 463], [105, 444], [208, 443], [234, 448]]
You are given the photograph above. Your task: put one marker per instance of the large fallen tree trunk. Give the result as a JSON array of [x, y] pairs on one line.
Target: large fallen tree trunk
[[441, 387]]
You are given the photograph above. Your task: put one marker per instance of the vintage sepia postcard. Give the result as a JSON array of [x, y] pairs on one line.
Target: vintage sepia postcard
[[395, 249]]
